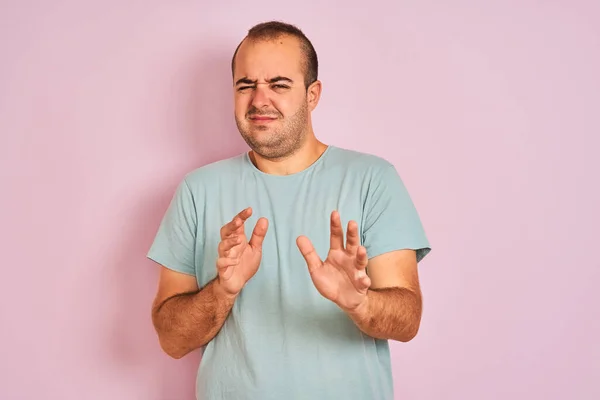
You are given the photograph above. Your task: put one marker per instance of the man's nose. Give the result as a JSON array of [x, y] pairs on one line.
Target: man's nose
[[260, 96]]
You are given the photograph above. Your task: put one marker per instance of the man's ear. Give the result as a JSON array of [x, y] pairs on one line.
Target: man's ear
[[313, 94]]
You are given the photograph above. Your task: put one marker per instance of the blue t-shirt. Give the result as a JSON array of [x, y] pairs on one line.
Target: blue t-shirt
[[282, 339]]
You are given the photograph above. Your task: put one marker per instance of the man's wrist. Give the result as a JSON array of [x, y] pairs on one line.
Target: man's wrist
[[361, 313], [221, 293]]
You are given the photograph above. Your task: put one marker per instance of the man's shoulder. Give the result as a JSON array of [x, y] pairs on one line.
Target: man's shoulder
[[355, 160], [214, 171]]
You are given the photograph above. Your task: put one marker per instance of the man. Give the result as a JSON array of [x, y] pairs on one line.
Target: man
[[255, 267]]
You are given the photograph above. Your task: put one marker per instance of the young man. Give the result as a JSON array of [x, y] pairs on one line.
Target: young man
[[291, 265]]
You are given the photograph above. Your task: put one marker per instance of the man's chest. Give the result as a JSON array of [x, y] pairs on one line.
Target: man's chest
[[291, 212]]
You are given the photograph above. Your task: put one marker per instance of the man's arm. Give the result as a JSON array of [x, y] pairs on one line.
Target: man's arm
[[185, 317], [381, 295], [393, 306]]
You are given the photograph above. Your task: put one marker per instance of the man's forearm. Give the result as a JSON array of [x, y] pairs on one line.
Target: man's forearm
[[389, 313], [187, 321]]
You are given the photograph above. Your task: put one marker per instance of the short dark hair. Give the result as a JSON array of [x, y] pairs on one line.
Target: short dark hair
[[274, 29]]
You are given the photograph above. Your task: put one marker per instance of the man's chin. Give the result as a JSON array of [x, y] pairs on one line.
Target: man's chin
[[267, 148], [260, 128]]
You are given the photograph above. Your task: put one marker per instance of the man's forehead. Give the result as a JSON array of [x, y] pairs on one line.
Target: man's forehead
[[281, 49], [268, 63], [283, 41]]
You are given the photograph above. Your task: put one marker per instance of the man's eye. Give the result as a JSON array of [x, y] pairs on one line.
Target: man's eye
[[242, 88], [281, 86]]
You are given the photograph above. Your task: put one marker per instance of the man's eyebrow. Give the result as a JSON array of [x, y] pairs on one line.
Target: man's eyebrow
[[247, 81], [279, 79]]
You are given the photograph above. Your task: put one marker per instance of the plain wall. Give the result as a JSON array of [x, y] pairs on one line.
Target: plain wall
[[490, 110]]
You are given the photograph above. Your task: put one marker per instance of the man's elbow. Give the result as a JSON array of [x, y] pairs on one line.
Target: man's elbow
[[173, 351], [413, 323], [406, 335], [410, 329]]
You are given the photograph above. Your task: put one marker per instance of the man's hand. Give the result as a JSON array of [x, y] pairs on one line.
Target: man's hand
[[341, 278], [239, 259]]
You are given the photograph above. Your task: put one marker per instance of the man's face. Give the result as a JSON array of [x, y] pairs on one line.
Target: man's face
[[271, 108]]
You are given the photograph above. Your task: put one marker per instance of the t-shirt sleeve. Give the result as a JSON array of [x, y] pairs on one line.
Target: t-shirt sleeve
[[391, 221], [174, 245]]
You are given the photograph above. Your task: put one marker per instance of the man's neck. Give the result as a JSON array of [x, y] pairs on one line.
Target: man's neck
[[299, 161]]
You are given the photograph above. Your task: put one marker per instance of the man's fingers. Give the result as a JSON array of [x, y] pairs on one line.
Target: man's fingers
[[337, 232], [259, 232], [227, 244], [236, 222], [231, 227], [309, 253], [352, 241], [363, 283], [361, 259], [226, 262]]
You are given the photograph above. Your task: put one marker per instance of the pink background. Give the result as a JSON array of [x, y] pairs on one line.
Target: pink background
[[490, 110]]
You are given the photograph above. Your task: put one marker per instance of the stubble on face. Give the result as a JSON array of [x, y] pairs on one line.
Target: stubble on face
[[279, 139]]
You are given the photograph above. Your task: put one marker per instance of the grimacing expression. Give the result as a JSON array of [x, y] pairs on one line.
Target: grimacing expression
[[271, 107]]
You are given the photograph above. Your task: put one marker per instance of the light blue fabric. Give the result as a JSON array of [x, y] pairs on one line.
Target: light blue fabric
[[282, 339]]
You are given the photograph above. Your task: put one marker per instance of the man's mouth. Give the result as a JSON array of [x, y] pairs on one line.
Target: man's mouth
[[262, 118]]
